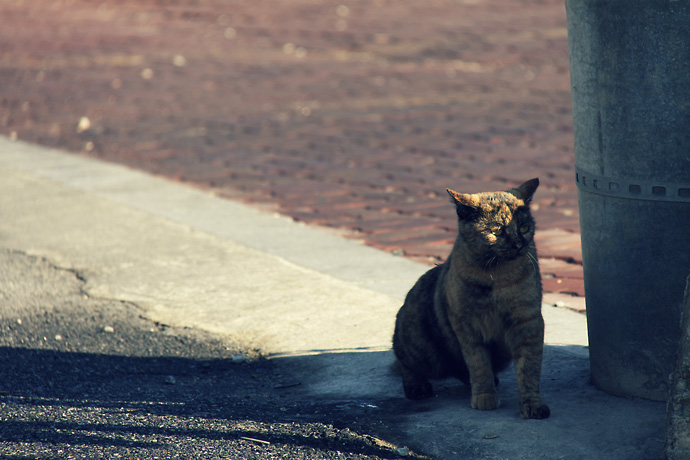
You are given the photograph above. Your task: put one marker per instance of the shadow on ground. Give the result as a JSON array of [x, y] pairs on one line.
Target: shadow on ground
[[55, 403], [585, 422], [80, 403]]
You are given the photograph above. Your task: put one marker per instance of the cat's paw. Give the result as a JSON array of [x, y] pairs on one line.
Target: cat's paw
[[537, 410], [485, 401], [418, 390]]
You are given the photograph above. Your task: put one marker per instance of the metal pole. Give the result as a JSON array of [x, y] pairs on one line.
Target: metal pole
[[630, 79]]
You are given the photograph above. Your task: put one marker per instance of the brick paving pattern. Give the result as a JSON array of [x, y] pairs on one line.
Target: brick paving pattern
[[349, 114]]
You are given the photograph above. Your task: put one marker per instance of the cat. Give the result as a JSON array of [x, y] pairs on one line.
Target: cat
[[470, 316]]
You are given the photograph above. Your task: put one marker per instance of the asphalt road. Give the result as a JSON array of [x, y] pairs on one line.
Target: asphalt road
[[91, 378]]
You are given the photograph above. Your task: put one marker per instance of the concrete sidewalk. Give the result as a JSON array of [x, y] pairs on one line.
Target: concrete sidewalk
[[312, 300]]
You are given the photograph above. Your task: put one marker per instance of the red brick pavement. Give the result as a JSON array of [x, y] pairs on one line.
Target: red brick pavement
[[350, 114]]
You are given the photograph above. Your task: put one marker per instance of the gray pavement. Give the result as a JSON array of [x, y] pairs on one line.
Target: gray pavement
[[319, 306]]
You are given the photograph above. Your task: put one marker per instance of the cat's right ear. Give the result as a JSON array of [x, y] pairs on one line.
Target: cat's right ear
[[467, 207]]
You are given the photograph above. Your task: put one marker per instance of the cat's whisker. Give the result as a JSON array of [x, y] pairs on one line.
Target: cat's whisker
[[533, 259], [489, 262]]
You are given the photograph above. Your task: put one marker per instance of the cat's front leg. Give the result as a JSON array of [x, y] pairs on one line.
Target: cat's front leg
[[478, 360], [527, 357], [530, 402]]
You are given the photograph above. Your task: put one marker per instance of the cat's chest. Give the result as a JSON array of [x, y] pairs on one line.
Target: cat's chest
[[490, 312], [495, 298], [497, 287], [486, 301]]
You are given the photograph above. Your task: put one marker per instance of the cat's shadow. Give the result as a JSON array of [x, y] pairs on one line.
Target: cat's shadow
[[584, 421], [372, 376]]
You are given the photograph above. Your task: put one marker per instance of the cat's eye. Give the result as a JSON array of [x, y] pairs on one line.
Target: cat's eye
[[524, 228], [497, 231]]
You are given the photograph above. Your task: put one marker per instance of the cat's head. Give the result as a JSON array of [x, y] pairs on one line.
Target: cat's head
[[497, 225]]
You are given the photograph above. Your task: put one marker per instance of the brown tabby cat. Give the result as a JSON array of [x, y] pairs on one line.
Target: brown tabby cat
[[470, 316]]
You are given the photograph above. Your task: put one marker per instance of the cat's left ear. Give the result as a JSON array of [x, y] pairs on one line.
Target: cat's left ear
[[526, 190]]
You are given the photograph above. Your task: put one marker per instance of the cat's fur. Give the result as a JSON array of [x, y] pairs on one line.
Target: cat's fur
[[470, 316]]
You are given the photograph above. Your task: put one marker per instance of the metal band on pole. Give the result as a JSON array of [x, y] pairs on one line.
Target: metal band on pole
[[632, 189]]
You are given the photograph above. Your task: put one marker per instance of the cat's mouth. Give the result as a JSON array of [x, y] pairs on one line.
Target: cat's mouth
[[507, 256]]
